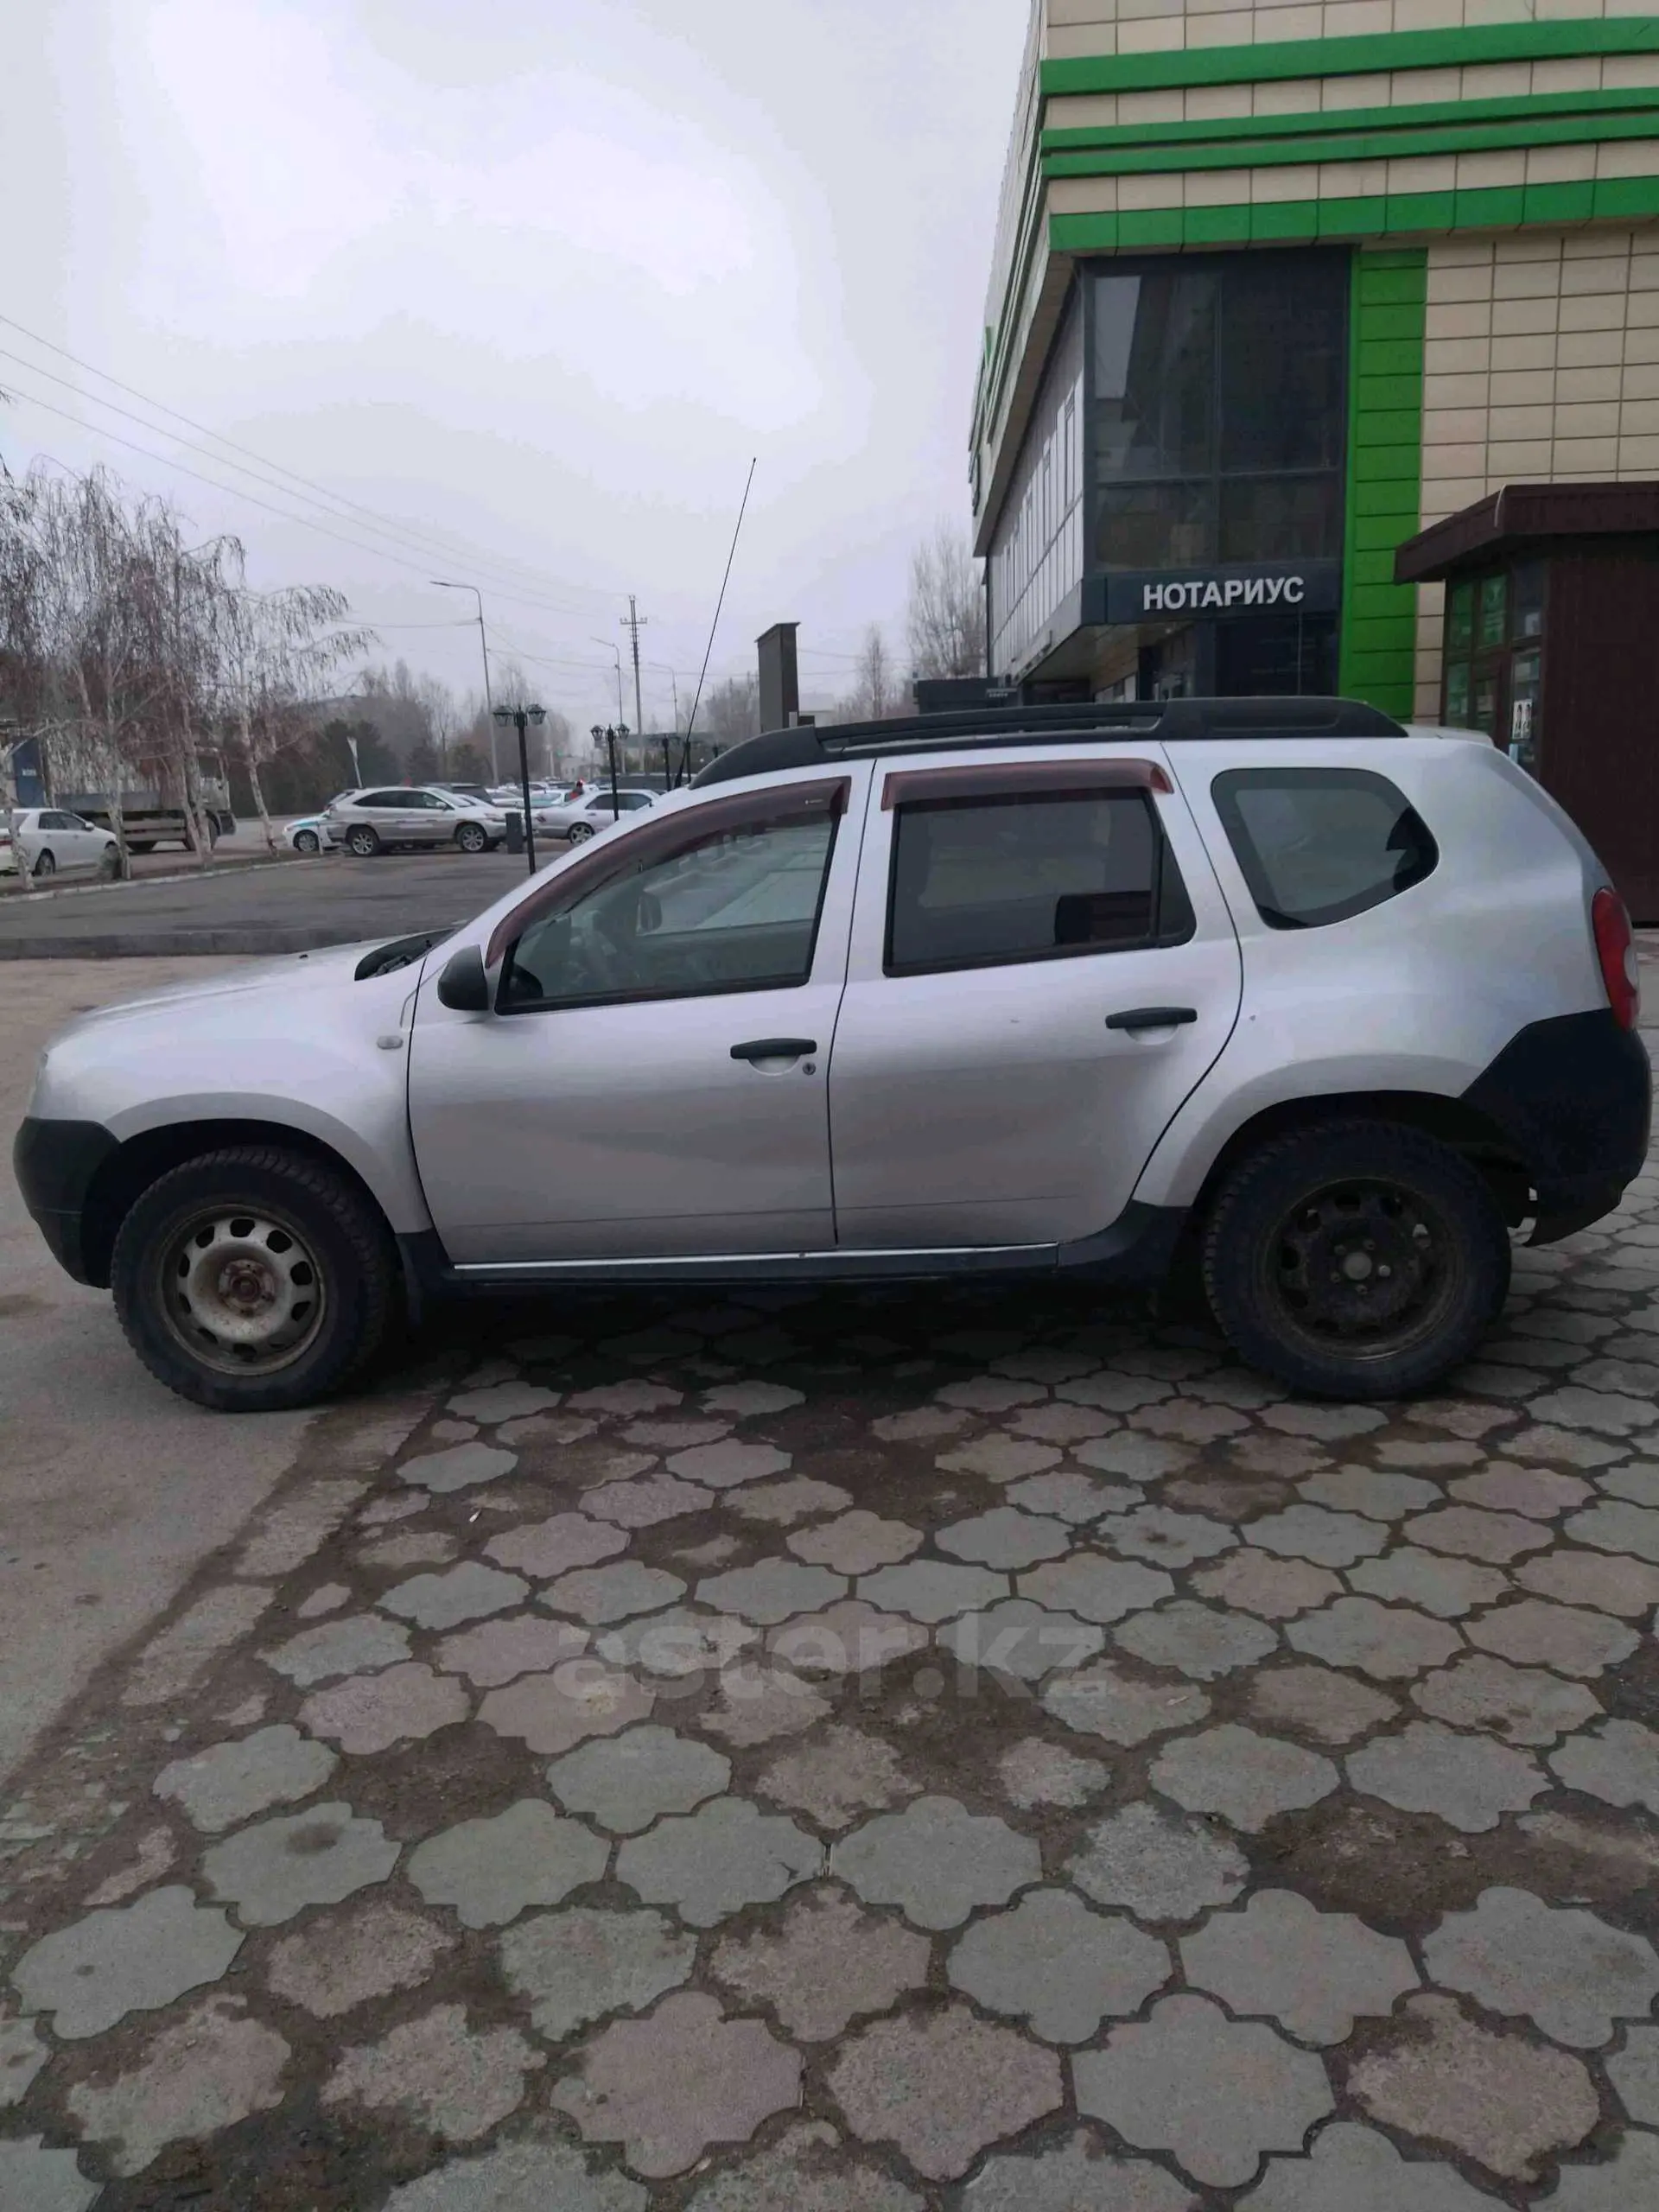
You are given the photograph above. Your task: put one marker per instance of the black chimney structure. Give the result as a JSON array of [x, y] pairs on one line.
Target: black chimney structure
[[780, 683]]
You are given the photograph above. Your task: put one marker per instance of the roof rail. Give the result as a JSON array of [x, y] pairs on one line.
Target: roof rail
[[1170, 721]]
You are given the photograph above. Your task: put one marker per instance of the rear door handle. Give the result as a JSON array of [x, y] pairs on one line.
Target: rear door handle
[[1153, 1017], [774, 1048]]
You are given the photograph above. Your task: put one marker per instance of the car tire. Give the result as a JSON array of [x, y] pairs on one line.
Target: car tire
[[144, 845], [45, 864], [473, 837], [1355, 1259], [580, 832], [307, 842], [282, 1223], [363, 840]]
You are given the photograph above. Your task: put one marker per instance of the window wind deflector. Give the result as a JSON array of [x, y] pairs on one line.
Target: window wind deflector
[[987, 780]]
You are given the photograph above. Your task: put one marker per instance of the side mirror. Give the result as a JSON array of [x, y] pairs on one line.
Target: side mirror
[[463, 987]]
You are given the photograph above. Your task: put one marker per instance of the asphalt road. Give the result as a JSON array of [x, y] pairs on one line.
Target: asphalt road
[[292, 907]]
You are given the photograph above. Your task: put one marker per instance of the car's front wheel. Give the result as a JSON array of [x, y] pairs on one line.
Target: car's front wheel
[[1355, 1259], [364, 841], [253, 1279], [472, 837], [307, 842], [580, 832]]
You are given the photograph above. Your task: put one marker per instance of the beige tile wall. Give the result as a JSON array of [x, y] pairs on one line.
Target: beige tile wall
[[1540, 365], [1086, 27]]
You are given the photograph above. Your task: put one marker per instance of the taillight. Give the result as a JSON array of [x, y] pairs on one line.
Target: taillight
[[1615, 949]]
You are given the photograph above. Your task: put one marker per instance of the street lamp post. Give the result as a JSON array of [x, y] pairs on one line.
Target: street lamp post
[[520, 717], [611, 737], [443, 584]]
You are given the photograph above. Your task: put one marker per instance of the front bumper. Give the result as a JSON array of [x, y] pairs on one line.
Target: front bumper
[[1574, 1096], [56, 1164]]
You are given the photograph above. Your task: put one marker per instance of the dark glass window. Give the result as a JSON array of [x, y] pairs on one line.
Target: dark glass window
[[979, 882], [1319, 845], [1494, 603]]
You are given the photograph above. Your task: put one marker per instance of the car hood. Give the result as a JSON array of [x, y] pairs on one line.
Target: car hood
[[288, 975]]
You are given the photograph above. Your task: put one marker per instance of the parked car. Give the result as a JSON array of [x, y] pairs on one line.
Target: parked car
[[579, 819], [1325, 1007], [401, 815], [47, 840], [310, 834]]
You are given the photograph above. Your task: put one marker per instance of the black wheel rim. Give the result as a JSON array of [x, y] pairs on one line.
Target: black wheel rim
[[1365, 1269]]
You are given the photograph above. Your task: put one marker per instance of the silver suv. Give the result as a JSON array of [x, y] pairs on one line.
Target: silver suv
[[1273, 994], [389, 816]]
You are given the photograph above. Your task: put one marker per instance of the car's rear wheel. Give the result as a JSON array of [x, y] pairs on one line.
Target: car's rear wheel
[[46, 863], [1355, 1259], [580, 832], [472, 837], [364, 841], [307, 842], [253, 1279]]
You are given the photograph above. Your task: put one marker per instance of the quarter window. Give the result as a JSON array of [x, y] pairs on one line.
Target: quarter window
[[979, 882], [1319, 845]]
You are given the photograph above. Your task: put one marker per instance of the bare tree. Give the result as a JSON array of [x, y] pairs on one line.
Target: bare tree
[[946, 619], [731, 710]]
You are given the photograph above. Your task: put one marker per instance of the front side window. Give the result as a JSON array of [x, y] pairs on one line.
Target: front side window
[[979, 882], [724, 899], [1319, 845]]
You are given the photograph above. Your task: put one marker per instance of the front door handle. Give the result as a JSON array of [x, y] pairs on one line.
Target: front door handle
[[774, 1048], [1153, 1017]]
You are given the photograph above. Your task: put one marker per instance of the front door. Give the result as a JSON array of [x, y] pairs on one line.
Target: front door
[[652, 1083], [1042, 967]]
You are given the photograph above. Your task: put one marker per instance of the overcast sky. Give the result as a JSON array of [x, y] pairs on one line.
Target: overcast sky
[[538, 278]]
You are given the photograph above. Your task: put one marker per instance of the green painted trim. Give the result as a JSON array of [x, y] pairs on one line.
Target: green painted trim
[[1275, 61], [1388, 312], [1366, 146], [1524, 107]]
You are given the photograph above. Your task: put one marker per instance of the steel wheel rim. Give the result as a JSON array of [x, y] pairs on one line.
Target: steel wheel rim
[[1365, 1266], [308, 842], [241, 1290]]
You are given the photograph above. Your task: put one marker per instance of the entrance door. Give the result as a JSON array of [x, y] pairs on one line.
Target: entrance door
[[1042, 968], [652, 1081]]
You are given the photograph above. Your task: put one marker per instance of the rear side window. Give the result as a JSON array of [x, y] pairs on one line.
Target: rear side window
[[1040, 875], [1319, 845]]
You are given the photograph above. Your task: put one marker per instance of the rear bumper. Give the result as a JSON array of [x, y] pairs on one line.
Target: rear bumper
[[56, 1164], [1574, 1096]]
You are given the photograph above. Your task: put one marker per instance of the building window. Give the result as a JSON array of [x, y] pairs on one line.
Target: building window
[[1493, 665], [1219, 408]]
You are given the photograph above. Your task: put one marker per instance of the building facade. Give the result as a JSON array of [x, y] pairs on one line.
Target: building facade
[[1274, 288]]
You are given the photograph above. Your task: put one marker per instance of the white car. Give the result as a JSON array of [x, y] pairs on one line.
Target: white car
[[578, 819], [390, 815], [45, 839], [309, 834]]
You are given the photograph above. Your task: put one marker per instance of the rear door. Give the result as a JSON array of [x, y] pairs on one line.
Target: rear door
[[1041, 969]]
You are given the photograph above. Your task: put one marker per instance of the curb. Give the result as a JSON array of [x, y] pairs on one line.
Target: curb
[[231, 867]]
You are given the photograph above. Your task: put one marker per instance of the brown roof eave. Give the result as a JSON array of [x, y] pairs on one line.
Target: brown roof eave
[[1521, 515]]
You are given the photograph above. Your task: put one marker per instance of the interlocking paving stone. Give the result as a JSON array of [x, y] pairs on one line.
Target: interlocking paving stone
[[627, 1782], [132, 1958], [1094, 1587], [543, 1549], [1191, 1422], [328, 1599], [1567, 1970], [1245, 1778], [1100, 1701], [1256, 1582], [22, 2053], [1470, 1532], [1315, 1973], [839, 1775], [750, 1400], [340, 1960], [490, 1870], [1539, 1492], [557, 1710], [1315, 1701], [519, 2178], [500, 1650], [1388, 1642], [856, 1544], [630, 1398], [1196, 1640], [1018, 1639], [675, 1435], [1536, 1633], [1596, 1580], [806, 2171], [1313, 1532], [782, 1503], [648, 1502], [723, 1466], [1634, 2072], [273, 1871], [920, 1424], [1117, 1394], [829, 1963], [1435, 1584], [853, 1638], [681, 1641], [1076, 2176], [370, 1713], [206, 2071], [418, 1547], [231, 1781], [457, 2081], [1502, 2102], [1469, 1782], [1364, 1490], [576, 1966], [1005, 1537], [600, 1595], [755, 1705], [1353, 2169], [1328, 1422], [1071, 1497], [1630, 2178], [1167, 1539], [347, 1647], [991, 1394], [458, 1467], [1035, 1773], [931, 1590], [1054, 1963], [1638, 1482], [467, 1593], [1215, 2092], [1610, 1411], [34, 2179], [1158, 1865], [1618, 1762], [710, 1864], [668, 2086], [937, 1861], [1062, 1424], [499, 1401], [771, 1591], [1137, 1459], [999, 1458], [943, 2086], [1522, 1705]]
